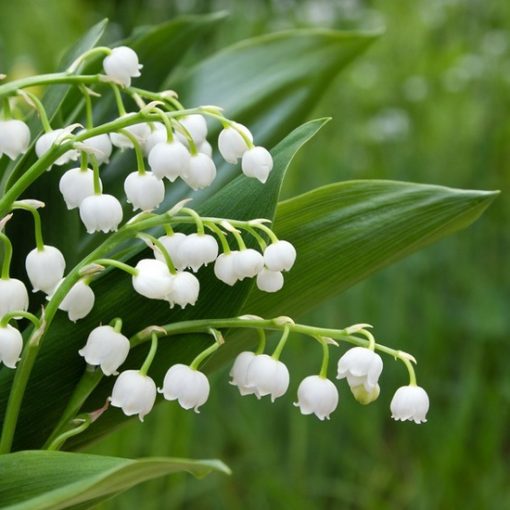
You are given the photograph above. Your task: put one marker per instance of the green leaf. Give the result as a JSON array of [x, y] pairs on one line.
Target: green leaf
[[46, 480], [346, 231]]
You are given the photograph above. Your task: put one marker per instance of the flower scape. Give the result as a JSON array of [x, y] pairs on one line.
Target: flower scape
[[170, 143]]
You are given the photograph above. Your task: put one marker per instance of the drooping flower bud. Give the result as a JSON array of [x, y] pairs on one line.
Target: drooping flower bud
[[317, 395], [363, 396], [153, 279], [107, 348], [14, 138], [185, 289], [169, 159], [231, 144], [205, 148], [134, 393], [267, 376], [75, 185], [78, 302], [122, 65], [280, 256], [100, 146], [248, 263], [201, 171], [239, 372], [198, 250], [172, 244], [410, 403], [257, 162], [140, 131], [45, 268], [196, 126], [11, 345], [224, 268], [101, 213], [46, 141], [269, 281], [361, 366], [13, 296], [188, 386], [144, 191]]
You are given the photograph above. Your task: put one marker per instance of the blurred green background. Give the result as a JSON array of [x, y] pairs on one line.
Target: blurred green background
[[430, 102]]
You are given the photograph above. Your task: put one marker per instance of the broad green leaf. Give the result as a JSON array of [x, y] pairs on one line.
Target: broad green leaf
[[59, 367], [48, 480]]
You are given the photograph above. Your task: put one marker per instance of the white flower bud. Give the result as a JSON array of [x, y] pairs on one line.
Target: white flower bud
[[239, 372], [231, 144], [185, 289], [134, 393], [257, 162], [410, 403], [224, 268], [248, 263], [144, 191], [101, 212], [363, 396], [267, 376], [13, 296], [78, 302], [196, 126], [122, 65], [107, 348], [198, 250], [99, 146], [46, 141], [140, 131], [201, 171], [158, 135], [280, 256], [269, 281], [11, 345], [14, 138], [153, 279], [172, 244], [317, 395], [75, 185], [361, 366], [205, 148], [188, 386], [169, 159], [45, 268]]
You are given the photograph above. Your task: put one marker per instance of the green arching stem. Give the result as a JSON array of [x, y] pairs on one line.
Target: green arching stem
[[262, 341], [92, 52], [6, 110], [89, 122], [281, 344], [325, 360], [191, 143], [97, 178], [371, 339], [58, 442], [161, 247], [118, 264], [118, 100], [267, 230], [195, 364], [20, 313], [412, 375], [6, 263], [84, 161], [152, 352], [221, 236], [239, 239], [196, 218], [167, 123], [169, 231], [117, 324], [40, 110], [140, 163], [257, 236], [39, 242]]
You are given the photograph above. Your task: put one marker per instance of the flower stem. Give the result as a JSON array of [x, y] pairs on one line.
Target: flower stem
[[116, 324], [97, 178], [118, 264], [281, 344], [221, 236], [197, 219], [140, 163], [161, 247], [195, 364], [39, 242], [412, 375], [152, 353], [59, 441], [262, 341], [20, 313], [89, 122], [36, 102], [325, 360], [6, 263], [118, 100]]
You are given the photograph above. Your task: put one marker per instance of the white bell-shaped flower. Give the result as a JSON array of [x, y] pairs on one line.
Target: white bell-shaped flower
[[45, 268], [100, 146], [76, 185], [169, 159], [46, 141], [106, 348], [361, 366], [144, 191], [188, 386], [158, 135], [269, 281], [78, 302], [140, 131], [257, 162], [198, 250], [11, 345], [185, 289], [172, 244], [196, 126], [224, 267], [280, 256], [14, 138], [101, 213], [231, 144], [410, 403], [248, 263], [201, 171], [239, 372], [134, 393], [13, 296], [153, 279], [205, 148], [121, 65], [267, 376], [363, 396], [317, 395]]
